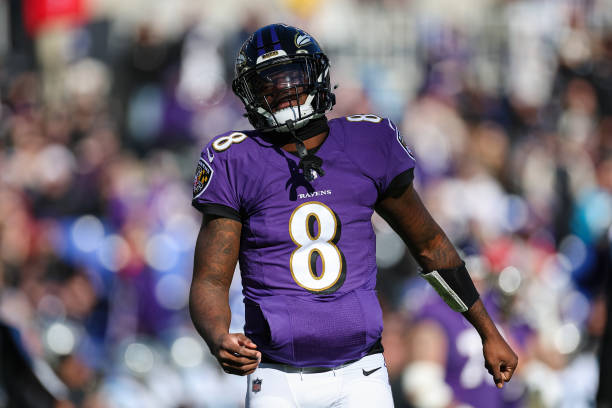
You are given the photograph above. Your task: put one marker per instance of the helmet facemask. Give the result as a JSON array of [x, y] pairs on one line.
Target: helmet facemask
[[293, 88]]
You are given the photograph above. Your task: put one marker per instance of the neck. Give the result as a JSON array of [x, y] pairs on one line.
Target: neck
[[312, 143], [313, 134]]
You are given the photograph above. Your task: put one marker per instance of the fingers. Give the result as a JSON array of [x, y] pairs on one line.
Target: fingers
[[237, 354], [235, 359], [500, 360], [506, 371], [247, 352], [248, 348], [239, 367], [240, 345], [240, 372], [245, 341], [497, 376], [501, 373]]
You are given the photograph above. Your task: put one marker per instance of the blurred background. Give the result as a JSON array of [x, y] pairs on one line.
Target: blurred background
[[106, 104]]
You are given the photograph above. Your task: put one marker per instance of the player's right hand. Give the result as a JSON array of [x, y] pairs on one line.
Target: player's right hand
[[237, 354]]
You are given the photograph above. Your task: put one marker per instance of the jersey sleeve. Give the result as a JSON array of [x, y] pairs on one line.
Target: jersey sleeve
[[400, 162], [376, 147], [214, 185]]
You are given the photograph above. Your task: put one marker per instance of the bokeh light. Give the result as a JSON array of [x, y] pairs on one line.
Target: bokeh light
[[599, 212], [567, 338], [60, 338], [87, 233], [139, 358], [184, 229], [574, 249], [517, 213], [162, 252], [172, 291], [114, 252], [187, 352], [576, 307], [510, 279]]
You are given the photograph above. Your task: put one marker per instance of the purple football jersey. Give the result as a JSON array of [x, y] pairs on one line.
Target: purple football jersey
[[307, 250]]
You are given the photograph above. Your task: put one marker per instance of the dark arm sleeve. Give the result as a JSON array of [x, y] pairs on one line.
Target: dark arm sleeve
[[218, 210], [399, 184]]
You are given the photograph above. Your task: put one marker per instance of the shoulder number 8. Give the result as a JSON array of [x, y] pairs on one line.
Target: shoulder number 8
[[224, 142], [311, 245], [364, 118]]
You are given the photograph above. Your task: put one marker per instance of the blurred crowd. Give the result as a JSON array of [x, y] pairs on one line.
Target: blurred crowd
[[105, 106]]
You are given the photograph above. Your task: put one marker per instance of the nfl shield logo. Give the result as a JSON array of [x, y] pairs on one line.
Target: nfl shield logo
[[256, 385]]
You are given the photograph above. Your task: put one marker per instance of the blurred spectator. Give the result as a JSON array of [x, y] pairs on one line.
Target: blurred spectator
[[445, 367]]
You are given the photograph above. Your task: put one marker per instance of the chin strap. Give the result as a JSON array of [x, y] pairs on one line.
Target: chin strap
[[309, 163]]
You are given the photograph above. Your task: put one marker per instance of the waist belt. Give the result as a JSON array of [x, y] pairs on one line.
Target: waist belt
[[375, 349], [309, 370]]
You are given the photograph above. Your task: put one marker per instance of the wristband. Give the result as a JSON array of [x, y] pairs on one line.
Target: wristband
[[454, 286]]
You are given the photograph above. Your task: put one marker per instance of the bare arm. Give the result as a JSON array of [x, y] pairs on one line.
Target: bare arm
[[216, 255], [433, 251], [427, 242]]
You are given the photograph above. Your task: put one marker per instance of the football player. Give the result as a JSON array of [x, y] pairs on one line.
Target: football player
[[292, 201]]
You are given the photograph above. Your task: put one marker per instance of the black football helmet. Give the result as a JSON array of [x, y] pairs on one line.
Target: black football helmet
[[282, 77]]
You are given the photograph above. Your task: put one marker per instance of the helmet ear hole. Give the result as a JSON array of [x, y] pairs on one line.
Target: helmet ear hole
[[276, 65]]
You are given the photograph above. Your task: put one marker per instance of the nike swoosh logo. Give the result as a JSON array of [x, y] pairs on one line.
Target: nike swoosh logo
[[366, 373], [210, 157]]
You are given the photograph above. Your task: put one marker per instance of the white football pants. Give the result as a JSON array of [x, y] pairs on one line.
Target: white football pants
[[364, 383]]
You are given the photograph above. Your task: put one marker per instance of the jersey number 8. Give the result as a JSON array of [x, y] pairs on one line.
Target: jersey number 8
[[311, 245], [364, 118], [224, 142]]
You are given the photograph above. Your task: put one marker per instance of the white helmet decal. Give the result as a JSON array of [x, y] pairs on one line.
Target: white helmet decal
[[302, 40]]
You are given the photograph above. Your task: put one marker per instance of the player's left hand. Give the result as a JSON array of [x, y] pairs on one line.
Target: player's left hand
[[500, 359]]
